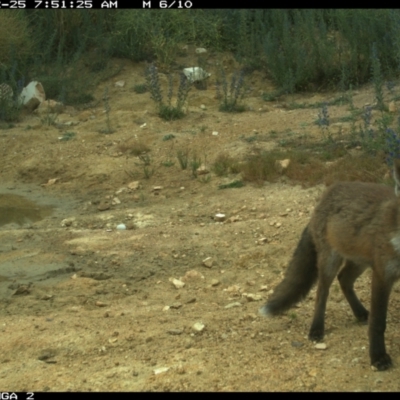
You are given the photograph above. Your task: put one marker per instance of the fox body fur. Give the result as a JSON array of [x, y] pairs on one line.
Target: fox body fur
[[355, 225]]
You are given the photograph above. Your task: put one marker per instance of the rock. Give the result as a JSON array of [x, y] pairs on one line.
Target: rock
[[176, 305], [121, 227], [50, 182], [103, 206], [177, 283], [134, 185], [201, 50], [198, 327], [175, 331], [202, 170], [320, 346], [120, 84], [392, 107], [195, 74], [67, 221], [215, 282], [282, 165], [192, 275], [208, 262], [262, 240], [50, 106], [100, 304], [215, 133], [46, 354], [252, 297], [32, 95], [231, 305], [219, 217], [160, 370], [115, 201]]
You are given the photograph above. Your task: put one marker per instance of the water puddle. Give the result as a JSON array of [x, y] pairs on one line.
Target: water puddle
[[19, 210]]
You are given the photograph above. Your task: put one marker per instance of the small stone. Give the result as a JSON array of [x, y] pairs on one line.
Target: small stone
[[160, 370], [120, 84], [231, 305], [201, 50], [134, 185], [46, 354], [392, 107], [176, 305], [262, 240], [157, 188], [219, 217], [198, 327], [177, 283], [215, 282], [203, 107], [175, 331], [215, 133], [103, 206], [100, 304], [202, 170], [252, 297], [67, 221], [192, 275], [208, 262], [115, 201], [321, 346], [121, 227]]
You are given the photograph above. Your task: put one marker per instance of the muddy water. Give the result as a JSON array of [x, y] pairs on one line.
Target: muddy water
[[28, 252]]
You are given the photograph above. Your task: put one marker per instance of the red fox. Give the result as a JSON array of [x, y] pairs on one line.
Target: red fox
[[355, 225]]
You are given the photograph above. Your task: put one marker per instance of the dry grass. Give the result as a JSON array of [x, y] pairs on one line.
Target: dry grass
[[309, 168], [134, 148], [225, 164]]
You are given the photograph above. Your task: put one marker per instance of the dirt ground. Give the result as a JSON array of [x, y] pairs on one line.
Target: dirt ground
[[89, 307]]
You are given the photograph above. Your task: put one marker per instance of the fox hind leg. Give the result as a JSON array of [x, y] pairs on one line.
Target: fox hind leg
[[329, 262]]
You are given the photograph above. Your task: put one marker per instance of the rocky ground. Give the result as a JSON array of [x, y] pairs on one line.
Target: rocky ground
[[170, 303]]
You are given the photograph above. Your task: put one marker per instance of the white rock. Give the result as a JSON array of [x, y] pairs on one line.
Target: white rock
[[115, 201], [177, 283], [201, 50], [198, 326], [120, 84], [121, 227], [215, 133], [235, 304], [160, 370], [321, 346], [32, 95], [208, 262], [195, 74], [219, 217]]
